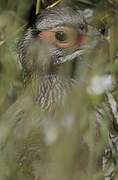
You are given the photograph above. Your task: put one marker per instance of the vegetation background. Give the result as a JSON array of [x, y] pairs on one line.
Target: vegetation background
[[63, 154]]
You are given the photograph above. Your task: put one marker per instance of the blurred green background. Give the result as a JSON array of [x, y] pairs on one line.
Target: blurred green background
[[63, 154]]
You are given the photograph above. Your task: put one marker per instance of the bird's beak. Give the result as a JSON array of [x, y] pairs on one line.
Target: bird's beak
[[70, 57]]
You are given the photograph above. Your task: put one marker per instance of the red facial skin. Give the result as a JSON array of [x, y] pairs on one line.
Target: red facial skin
[[74, 41]]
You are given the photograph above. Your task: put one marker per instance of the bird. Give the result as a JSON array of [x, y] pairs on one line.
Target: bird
[[47, 48]]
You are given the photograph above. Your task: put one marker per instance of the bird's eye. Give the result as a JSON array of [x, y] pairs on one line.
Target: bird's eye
[[61, 36]]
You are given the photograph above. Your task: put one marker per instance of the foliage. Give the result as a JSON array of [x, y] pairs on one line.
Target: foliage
[[62, 136]]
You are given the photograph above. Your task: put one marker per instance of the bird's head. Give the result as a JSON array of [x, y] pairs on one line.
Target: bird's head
[[56, 36]]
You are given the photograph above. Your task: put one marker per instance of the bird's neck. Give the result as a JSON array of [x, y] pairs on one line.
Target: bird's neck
[[50, 90]]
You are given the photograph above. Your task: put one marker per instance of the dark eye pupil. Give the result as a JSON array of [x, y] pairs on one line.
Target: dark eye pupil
[[61, 36]]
